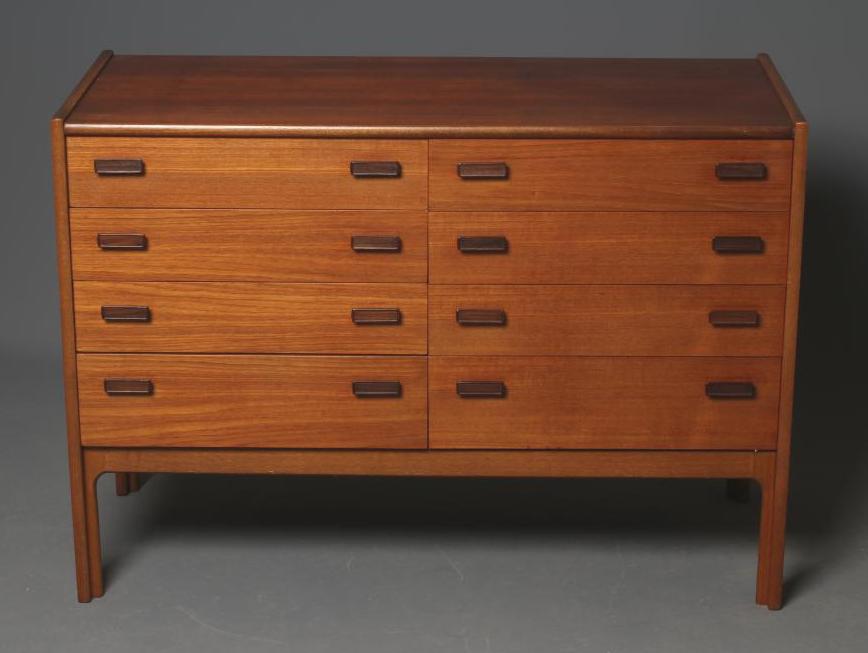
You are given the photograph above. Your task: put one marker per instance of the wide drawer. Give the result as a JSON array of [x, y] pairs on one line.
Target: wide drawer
[[608, 247], [252, 401], [604, 320], [350, 318], [247, 173], [249, 245], [602, 403], [610, 175]]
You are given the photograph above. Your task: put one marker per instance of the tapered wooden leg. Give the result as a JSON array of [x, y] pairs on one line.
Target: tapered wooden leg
[[122, 484], [738, 490], [778, 537], [93, 540], [79, 531], [765, 540]]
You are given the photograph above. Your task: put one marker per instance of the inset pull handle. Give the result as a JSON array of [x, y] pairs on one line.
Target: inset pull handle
[[741, 171], [122, 241], [480, 317], [738, 245], [483, 244], [737, 319], [119, 167], [126, 313], [376, 389], [128, 387], [730, 390], [481, 389], [368, 316], [480, 171], [364, 244], [368, 169]]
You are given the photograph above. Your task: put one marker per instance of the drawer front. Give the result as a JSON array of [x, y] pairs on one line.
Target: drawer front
[[601, 403], [353, 318], [606, 320], [608, 175], [612, 247], [196, 245], [246, 173], [251, 401]]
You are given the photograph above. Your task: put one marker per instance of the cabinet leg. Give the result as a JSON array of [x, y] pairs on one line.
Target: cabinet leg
[[773, 517], [122, 484], [94, 548], [738, 490], [765, 541], [79, 531]]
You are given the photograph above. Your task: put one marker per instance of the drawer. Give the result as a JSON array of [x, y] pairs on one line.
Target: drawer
[[247, 173], [601, 403], [350, 318], [606, 320], [609, 175], [249, 245], [611, 247], [252, 401]]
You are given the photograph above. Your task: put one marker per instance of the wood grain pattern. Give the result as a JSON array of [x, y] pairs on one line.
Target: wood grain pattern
[[613, 175], [84, 584], [541, 464], [602, 403], [246, 173], [427, 97], [232, 245], [634, 247], [606, 320], [252, 401], [251, 318]]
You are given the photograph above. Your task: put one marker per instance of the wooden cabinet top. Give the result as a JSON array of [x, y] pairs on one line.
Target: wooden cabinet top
[[432, 97]]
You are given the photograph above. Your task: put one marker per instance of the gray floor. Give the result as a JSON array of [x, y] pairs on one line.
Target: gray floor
[[382, 565]]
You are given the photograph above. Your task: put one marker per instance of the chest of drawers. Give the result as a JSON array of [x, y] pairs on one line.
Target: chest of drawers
[[430, 267]]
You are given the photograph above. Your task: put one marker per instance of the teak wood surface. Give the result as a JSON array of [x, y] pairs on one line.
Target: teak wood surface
[[609, 180], [604, 320], [249, 245], [266, 318], [557, 247]]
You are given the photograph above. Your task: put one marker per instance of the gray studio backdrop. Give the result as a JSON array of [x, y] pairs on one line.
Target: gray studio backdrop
[[821, 50]]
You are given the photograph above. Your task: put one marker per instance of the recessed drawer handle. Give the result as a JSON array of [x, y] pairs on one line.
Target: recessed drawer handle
[[367, 316], [122, 241], [481, 389], [376, 389], [375, 169], [734, 318], [738, 245], [481, 171], [365, 244], [743, 171], [480, 317], [730, 390], [483, 244], [126, 313], [128, 387], [119, 167]]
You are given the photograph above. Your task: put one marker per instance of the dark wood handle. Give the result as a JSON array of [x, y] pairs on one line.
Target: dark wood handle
[[730, 390], [481, 389], [126, 313], [368, 316], [376, 389], [738, 245], [364, 244], [737, 319], [483, 244], [119, 167], [122, 241], [480, 317], [741, 171], [128, 387], [480, 171], [368, 169]]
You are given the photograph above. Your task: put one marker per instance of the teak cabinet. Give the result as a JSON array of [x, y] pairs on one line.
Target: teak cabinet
[[430, 267]]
